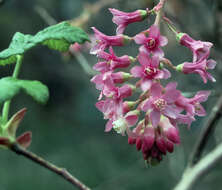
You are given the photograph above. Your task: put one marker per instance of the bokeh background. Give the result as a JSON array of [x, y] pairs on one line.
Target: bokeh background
[[69, 130]]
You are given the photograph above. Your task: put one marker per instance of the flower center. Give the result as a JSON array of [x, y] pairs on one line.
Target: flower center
[[160, 104], [150, 72], [151, 43]]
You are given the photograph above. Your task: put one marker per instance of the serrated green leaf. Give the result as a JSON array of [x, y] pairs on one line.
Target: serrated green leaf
[[58, 37], [19, 44], [61, 36], [9, 87]]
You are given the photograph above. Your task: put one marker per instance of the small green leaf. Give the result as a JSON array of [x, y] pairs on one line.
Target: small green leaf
[[9, 87], [58, 37], [36, 89]]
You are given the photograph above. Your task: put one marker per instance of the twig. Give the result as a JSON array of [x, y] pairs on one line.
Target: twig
[[83, 63], [59, 171], [192, 174], [89, 11], [158, 9], [45, 15], [208, 129]]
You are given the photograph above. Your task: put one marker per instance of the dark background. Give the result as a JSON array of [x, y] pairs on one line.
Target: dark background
[[69, 130]]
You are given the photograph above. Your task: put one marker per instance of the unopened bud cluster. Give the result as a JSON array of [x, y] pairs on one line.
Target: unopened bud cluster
[[151, 120]]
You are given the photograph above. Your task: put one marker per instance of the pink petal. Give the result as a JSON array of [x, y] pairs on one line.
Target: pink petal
[[156, 90], [101, 66], [120, 29], [140, 38], [163, 40], [155, 117], [210, 77], [170, 112], [104, 55], [202, 96], [109, 126], [146, 105], [145, 84], [158, 52], [137, 71], [144, 59], [171, 96], [154, 32], [99, 105], [171, 86], [145, 50], [167, 73], [211, 64]]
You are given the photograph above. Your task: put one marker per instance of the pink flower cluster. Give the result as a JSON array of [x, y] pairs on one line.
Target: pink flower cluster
[[150, 120]]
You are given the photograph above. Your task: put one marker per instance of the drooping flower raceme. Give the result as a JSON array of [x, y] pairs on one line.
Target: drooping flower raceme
[[150, 119]]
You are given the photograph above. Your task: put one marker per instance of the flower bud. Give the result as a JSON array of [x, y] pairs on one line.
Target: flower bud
[[121, 77], [128, 105]]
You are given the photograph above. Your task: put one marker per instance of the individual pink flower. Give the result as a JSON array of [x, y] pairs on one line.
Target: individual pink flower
[[154, 142], [149, 70], [161, 102], [152, 42], [111, 61], [108, 80], [200, 67], [200, 49], [122, 124], [111, 109], [122, 19], [103, 41], [192, 105]]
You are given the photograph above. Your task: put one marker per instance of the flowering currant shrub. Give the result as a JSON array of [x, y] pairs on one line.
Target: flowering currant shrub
[[152, 119]]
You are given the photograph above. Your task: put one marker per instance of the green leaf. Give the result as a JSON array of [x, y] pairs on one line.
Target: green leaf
[[19, 44], [36, 89], [9, 87], [61, 36], [58, 37]]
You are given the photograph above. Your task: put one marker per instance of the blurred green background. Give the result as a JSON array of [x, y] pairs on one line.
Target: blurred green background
[[69, 130]]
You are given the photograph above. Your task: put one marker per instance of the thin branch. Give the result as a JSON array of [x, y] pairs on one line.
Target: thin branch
[[90, 9], [216, 113], [83, 63], [43, 13], [192, 174], [59, 171], [158, 9]]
